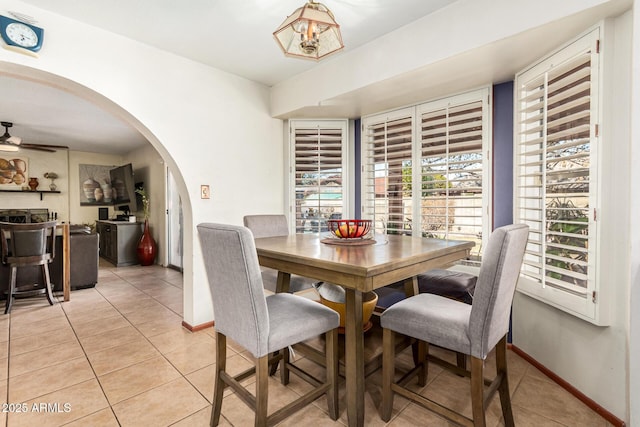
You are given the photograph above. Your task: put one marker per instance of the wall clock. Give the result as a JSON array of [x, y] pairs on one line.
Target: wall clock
[[20, 36]]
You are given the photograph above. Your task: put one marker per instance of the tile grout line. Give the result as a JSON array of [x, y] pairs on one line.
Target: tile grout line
[[150, 342], [92, 369], [184, 376]]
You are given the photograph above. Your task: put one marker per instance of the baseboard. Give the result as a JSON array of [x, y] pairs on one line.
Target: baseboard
[[571, 389], [197, 328]]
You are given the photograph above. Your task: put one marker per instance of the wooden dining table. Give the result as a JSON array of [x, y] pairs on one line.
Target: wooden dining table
[[359, 268]]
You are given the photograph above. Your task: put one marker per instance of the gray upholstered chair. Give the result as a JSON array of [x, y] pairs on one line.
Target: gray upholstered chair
[[473, 330], [27, 245], [262, 325], [274, 226]]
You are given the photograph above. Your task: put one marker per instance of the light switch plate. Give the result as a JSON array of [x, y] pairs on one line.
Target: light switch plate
[[204, 192]]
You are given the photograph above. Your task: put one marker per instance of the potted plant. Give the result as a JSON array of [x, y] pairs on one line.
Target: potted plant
[[147, 246]]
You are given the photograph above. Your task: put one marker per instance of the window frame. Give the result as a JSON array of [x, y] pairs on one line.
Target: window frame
[[482, 95], [304, 124], [587, 306]]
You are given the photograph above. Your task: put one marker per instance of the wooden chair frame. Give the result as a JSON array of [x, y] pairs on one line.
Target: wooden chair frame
[[258, 402], [480, 398]]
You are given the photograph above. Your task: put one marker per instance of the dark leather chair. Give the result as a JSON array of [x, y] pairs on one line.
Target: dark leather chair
[[25, 245]]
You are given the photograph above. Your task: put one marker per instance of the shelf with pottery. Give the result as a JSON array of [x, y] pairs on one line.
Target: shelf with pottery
[[41, 192]]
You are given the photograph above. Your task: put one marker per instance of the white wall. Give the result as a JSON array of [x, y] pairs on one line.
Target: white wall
[[225, 138], [592, 358], [634, 229]]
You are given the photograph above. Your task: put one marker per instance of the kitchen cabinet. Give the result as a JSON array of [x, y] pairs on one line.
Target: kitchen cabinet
[[119, 241]]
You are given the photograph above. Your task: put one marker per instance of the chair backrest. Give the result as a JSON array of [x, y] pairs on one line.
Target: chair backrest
[[31, 243], [496, 284], [239, 303], [267, 225]]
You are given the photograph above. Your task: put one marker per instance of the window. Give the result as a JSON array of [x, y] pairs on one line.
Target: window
[[318, 173], [556, 147], [447, 195], [387, 179]]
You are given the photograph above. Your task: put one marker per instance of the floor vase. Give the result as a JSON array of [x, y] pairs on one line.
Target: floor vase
[[146, 247]]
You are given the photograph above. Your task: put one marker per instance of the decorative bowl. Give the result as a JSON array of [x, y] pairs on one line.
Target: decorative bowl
[[333, 297], [349, 228]]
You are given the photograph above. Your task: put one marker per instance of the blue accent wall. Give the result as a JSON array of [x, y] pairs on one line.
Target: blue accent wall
[[502, 154], [357, 164]]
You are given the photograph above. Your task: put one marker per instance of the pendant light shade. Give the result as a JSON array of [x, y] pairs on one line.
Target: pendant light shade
[[310, 32]]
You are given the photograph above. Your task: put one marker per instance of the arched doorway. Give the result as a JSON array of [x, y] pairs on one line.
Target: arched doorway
[[39, 77]]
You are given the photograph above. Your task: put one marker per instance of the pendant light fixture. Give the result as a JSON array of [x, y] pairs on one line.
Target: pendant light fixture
[[310, 32]]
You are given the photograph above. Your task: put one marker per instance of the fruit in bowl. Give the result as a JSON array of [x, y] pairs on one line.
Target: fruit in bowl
[[349, 228]]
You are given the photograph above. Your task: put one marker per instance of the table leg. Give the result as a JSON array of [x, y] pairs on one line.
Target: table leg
[[66, 263], [282, 282], [282, 285], [411, 286], [354, 358]]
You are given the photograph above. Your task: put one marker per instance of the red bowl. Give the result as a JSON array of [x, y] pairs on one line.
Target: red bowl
[[349, 228]]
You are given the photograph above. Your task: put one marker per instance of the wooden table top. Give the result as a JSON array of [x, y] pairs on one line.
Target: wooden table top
[[363, 268]]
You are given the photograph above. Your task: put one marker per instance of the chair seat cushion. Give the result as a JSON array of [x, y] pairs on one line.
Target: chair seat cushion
[[431, 318], [448, 283], [389, 295], [293, 319], [296, 284]]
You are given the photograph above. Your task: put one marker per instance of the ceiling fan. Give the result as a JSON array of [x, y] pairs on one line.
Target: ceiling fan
[[13, 143]]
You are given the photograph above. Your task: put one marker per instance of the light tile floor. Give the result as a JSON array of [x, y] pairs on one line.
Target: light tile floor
[[118, 355]]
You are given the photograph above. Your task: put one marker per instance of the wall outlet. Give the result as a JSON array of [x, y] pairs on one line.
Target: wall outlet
[[204, 192]]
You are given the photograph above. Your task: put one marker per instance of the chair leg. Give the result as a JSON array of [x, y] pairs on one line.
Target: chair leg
[[274, 367], [331, 351], [12, 289], [477, 392], [284, 366], [218, 392], [262, 390], [388, 370], [503, 388], [47, 283], [423, 351], [461, 360]]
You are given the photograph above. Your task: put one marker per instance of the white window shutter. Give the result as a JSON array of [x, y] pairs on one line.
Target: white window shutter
[[556, 142], [319, 173]]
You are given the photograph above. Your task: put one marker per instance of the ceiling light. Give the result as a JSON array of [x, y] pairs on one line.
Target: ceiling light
[[6, 147], [310, 32], [8, 142]]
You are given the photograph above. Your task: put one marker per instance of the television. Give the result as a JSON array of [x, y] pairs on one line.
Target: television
[[122, 185]]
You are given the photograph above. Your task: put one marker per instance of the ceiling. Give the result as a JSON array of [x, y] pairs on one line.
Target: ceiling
[[231, 35], [236, 36]]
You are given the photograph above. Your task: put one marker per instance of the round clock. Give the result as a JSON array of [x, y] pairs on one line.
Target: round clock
[[22, 35]]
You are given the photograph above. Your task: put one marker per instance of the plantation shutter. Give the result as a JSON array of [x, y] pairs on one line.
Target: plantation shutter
[[451, 141], [555, 190], [318, 173], [387, 166]]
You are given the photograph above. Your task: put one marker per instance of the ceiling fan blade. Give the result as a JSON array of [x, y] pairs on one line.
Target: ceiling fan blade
[[60, 147], [15, 140], [39, 148]]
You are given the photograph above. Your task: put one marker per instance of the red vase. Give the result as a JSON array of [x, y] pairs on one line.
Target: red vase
[[146, 246]]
